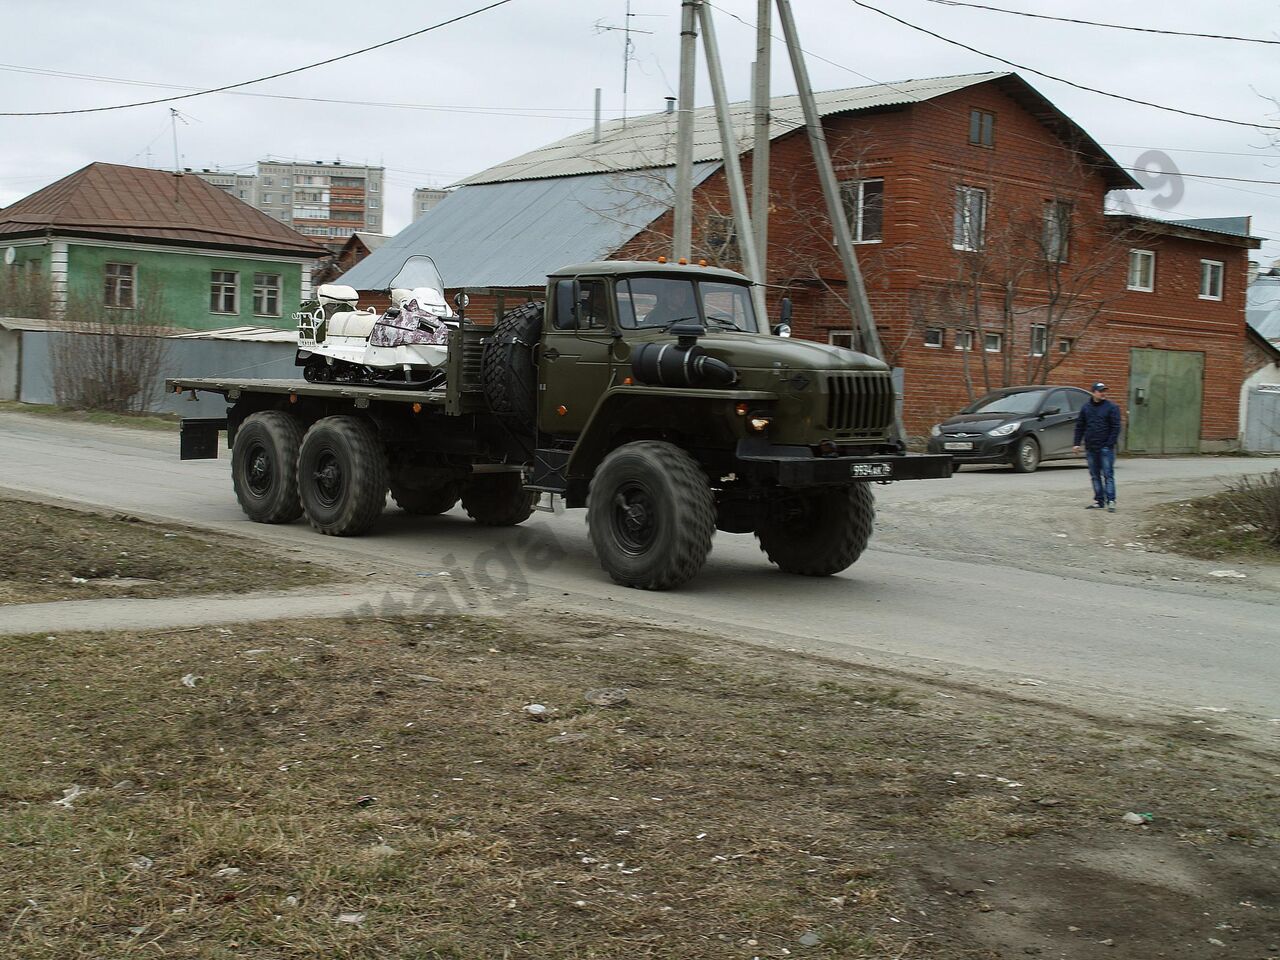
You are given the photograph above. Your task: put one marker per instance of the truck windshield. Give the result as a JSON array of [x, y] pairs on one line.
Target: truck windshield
[[417, 272], [645, 302]]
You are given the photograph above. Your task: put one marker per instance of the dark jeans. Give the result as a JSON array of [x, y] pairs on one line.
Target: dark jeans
[[1102, 466]]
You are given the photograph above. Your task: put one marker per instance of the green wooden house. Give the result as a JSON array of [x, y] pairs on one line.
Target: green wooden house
[[170, 248]]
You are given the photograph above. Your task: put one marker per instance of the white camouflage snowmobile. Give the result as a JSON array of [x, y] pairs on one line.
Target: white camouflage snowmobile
[[405, 347]]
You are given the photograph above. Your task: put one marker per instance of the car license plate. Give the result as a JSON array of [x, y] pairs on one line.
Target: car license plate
[[958, 445], [871, 470]]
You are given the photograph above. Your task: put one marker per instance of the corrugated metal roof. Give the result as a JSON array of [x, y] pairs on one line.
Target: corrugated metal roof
[[1262, 306], [249, 334], [1235, 226], [513, 234], [131, 203], [649, 141]]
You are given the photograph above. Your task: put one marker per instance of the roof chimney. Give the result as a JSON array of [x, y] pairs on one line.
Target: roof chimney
[[671, 105]]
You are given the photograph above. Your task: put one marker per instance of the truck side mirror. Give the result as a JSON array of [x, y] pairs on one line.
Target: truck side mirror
[[783, 327]]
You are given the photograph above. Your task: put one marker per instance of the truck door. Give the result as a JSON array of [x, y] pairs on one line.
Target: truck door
[[574, 368]]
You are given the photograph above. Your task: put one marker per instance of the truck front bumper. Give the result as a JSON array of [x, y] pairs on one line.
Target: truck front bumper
[[797, 467]]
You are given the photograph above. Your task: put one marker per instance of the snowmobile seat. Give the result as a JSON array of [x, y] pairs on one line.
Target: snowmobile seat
[[352, 323]]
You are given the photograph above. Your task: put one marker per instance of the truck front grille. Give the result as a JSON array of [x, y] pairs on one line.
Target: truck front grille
[[859, 405]]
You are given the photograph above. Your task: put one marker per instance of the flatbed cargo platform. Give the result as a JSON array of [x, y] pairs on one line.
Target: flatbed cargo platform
[[231, 389]]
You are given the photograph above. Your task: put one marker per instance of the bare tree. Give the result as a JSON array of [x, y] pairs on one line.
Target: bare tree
[[1038, 276], [110, 358], [25, 292]]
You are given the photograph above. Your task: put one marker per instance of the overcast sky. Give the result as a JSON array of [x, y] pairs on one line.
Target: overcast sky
[[524, 74]]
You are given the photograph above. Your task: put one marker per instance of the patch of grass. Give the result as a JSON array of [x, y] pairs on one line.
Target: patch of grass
[[143, 421], [373, 789], [53, 553], [1242, 521]]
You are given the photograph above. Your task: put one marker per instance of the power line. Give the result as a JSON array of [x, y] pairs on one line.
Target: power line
[[935, 106], [274, 76], [1050, 76], [1096, 23]]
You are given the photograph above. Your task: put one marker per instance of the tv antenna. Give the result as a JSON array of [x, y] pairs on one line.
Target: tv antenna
[[628, 48]]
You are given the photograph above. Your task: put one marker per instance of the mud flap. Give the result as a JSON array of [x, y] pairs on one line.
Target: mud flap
[[198, 437]]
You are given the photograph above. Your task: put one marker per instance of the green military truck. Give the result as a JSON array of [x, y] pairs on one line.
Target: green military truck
[[644, 392]]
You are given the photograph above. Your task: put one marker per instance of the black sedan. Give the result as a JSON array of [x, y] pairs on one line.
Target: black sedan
[[1020, 426]]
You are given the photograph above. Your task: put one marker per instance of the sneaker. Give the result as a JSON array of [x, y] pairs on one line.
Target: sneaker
[[1111, 507], [1094, 506]]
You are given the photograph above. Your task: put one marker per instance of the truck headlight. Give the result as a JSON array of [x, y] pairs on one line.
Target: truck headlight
[[759, 424], [1004, 431]]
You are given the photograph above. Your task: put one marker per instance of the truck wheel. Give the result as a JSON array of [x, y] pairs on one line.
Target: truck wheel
[[651, 515], [264, 467], [342, 476], [1026, 456], [508, 372], [498, 499], [819, 532], [424, 501]]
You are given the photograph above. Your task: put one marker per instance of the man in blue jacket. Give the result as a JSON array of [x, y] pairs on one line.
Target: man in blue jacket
[[1099, 427]]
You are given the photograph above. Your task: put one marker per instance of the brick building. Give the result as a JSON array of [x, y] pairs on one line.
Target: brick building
[[978, 211]]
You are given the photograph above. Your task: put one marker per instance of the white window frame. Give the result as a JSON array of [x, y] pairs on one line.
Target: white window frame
[[263, 292], [1209, 269], [853, 193], [1039, 339], [987, 339], [964, 340], [1066, 344], [128, 286], [965, 235], [1137, 256], [218, 288], [840, 338], [942, 337]]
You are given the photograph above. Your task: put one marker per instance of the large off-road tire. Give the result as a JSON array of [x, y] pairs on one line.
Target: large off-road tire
[[651, 515], [498, 499], [424, 500], [1026, 455], [508, 371], [264, 467], [342, 476], [819, 532]]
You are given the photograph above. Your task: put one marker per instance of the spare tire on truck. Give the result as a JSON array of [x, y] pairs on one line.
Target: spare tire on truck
[[508, 370]]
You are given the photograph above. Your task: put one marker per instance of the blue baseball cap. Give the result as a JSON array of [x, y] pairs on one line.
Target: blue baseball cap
[[1099, 386]]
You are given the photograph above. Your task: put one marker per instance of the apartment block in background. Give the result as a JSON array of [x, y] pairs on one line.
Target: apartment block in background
[[424, 198]]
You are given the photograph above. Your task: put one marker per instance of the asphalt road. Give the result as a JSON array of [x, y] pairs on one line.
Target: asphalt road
[[1085, 642]]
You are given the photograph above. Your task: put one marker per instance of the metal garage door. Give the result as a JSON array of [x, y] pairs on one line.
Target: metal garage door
[[1262, 419], [1166, 391]]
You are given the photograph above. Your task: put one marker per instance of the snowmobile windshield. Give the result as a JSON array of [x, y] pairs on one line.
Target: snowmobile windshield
[[417, 272]]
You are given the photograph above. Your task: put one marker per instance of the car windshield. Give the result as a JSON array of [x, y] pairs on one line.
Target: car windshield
[[1024, 401], [645, 302], [417, 272]]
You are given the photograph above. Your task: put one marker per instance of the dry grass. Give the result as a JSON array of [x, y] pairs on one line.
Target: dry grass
[[1242, 521], [386, 769], [52, 553], [145, 421]]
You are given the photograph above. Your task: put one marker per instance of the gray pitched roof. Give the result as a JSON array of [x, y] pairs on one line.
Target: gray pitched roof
[[649, 141], [1236, 226], [1262, 306], [513, 234]]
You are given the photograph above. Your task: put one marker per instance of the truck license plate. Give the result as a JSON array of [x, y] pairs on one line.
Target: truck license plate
[[958, 445], [871, 470]]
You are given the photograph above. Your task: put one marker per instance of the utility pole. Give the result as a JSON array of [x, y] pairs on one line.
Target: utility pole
[[733, 169], [682, 235], [859, 306], [760, 143]]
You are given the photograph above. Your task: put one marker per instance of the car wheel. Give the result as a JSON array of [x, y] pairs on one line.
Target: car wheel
[[1026, 456]]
